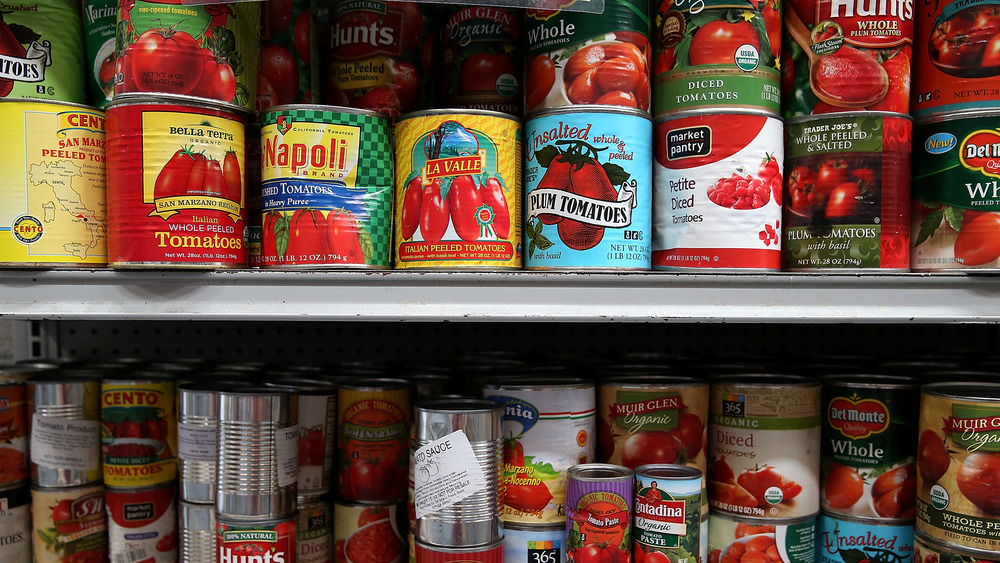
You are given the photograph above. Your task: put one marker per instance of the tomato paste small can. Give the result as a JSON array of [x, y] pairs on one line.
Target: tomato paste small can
[[481, 59], [317, 432], [369, 530], [70, 524], [717, 191], [752, 471], [489, 553], [458, 178], [599, 501], [198, 440], [780, 541], [206, 50], [142, 524], [667, 505], [848, 192], [239, 540], [196, 527], [55, 152], [928, 550], [549, 425], [326, 187], [315, 531], [529, 543], [139, 429], [869, 447], [100, 25], [285, 75], [841, 538], [13, 430], [65, 433], [15, 521], [42, 46]]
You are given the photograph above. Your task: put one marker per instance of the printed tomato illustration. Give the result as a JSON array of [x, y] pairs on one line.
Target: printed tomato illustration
[[844, 487], [528, 497], [166, 53], [933, 458], [344, 241], [979, 480], [492, 194], [717, 41], [652, 446], [964, 44], [740, 192], [410, 215], [175, 176], [218, 80], [233, 177], [434, 213], [279, 69], [482, 71], [464, 202], [978, 240], [10, 46], [307, 237], [541, 76], [615, 73]]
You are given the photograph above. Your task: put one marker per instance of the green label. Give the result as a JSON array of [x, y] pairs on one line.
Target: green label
[[957, 527], [800, 542], [45, 58], [975, 427], [767, 423], [755, 87], [870, 430], [849, 134], [956, 164]]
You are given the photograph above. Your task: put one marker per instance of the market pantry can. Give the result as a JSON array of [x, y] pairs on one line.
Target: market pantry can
[[139, 429], [599, 501], [730, 538], [15, 522], [65, 433], [13, 431], [53, 201], [458, 190], [175, 183], [841, 538], [142, 524], [667, 505], [69, 523], [368, 529], [326, 187], [588, 189]]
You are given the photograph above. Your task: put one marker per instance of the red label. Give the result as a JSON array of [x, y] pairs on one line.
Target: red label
[[858, 419], [256, 544], [981, 152], [601, 518], [429, 554]]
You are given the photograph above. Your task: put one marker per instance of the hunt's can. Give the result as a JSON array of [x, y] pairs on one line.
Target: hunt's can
[[667, 505], [932, 551], [363, 528], [526, 543], [54, 204], [489, 553], [142, 524], [481, 59], [197, 440], [285, 75], [599, 500], [243, 540], [588, 189], [731, 537], [42, 45], [70, 524], [326, 187], [176, 191], [13, 431], [196, 527], [847, 192], [65, 433], [15, 521], [139, 429], [100, 24], [315, 532], [840, 537], [717, 191], [317, 432], [458, 190]]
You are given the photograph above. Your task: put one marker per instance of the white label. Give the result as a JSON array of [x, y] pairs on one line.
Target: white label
[[15, 531], [196, 442], [445, 472], [62, 443], [287, 448]]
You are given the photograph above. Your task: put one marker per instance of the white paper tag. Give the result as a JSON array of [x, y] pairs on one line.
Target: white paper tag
[[287, 448], [62, 443], [197, 442], [445, 472]]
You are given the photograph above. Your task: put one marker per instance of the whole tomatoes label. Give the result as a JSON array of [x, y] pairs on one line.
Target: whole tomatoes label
[[481, 54], [599, 518], [70, 523], [736, 538], [373, 453], [13, 433], [138, 433], [668, 515], [142, 522], [237, 542]]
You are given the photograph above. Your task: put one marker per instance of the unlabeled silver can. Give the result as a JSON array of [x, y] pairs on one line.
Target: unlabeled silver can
[[197, 440], [196, 524], [64, 413]]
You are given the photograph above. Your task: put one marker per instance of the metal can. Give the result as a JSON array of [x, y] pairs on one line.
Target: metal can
[[100, 19], [315, 532], [369, 530], [781, 541], [317, 159], [139, 429], [667, 506], [317, 432], [931, 551], [599, 500], [13, 431], [65, 433], [839, 538], [869, 446], [142, 524], [717, 191], [587, 172], [285, 36], [752, 469], [176, 191], [196, 530], [240, 540], [70, 524], [489, 553], [481, 59], [51, 67], [848, 192], [526, 543], [55, 154], [458, 178], [15, 522], [197, 441], [548, 426]]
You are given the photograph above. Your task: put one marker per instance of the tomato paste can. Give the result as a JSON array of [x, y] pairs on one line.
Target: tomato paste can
[[65, 433], [326, 187], [841, 537], [869, 444], [139, 429], [142, 524], [429, 553], [196, 532], [717, 191], [528, 543], [285, 75], [667, 506], [15, 521], [70, 524], [317, 433], [13, 431], [369, 530], [847, 56], [549, 425], [577, 56], [100, 24], [203, 50], [752, 471], [176, 191], [848, 192], [599, 501], [42, 46], [481, 59], [373, 431], [258, 453], [958, 453], [731, 537], [928, 550], [54, 211], [587, 174], [197, 441], [238, 540], [315, 531]]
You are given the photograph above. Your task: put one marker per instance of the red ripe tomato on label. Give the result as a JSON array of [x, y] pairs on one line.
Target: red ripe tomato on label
[[717, 41], [166, 60], [464, 202], [277, 65], [343, 237], [434, 213], [482, 71]]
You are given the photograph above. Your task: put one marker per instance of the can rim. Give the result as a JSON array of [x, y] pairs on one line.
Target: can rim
[[54, 102], [535, 382], [457, 405], [713, 112], [374, 384], [668, 471], [974, 389], [872, 380], [599, 472], [325, 108], [143, 98], [457, 112], [766, 379]]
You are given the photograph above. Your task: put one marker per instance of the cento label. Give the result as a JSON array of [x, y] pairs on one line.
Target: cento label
[[138, 434]]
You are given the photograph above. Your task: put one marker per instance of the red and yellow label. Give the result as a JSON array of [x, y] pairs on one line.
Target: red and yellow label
[[70, 524], [274, 543], [374, 444], [316, 151], [138, 433], [13, 433]]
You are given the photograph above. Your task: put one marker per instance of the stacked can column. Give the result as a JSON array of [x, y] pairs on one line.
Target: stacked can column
[[15, 489]]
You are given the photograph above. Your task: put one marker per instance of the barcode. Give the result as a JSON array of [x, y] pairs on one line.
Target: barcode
[[133, 556]]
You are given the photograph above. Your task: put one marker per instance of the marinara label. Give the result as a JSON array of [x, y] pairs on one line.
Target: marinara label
[[138, 433]]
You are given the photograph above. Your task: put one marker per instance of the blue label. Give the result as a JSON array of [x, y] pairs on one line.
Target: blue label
[[847, 541], [293, 194], [940, 143]]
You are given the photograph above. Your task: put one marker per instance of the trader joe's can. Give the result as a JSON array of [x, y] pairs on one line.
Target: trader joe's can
[[15, 522], [668, 511], [65, 432], [359, 527], [239, 540], [139, 429], [780, 541], [70, 524], [588, 189], [54, 210], [142, 524], [717, 191], [839, 537], [326, 188], [847, 193], [13, 431], [599, 500], [43, 51], [481, 59], [458, 190]]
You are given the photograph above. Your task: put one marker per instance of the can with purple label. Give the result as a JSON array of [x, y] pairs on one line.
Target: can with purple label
[[599, 500]]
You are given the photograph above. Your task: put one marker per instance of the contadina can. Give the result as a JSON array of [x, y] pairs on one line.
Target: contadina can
[[139, 429], [731, 538], [717, 191], [326, 189], [15, 522], [588, 189], [13, 430], [667, 509], [361, 529], [315, 532], [65, 437], [196, 532], [54, 209], [142, 524], [70, 524], [43, 51], [527, 543], [841, 538], [599, 500], [239, 540], [847, 193], [458, 190]]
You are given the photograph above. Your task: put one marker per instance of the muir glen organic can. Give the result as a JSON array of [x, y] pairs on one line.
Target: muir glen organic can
[[13, 430], [245, 541], [196, 532], [668, 503], [527, 543], [70, 524], [139, 429], [65, 432], [732, 538], [839, 538], [927, 550], [142, 524], [360, 529], [43, 51], [15, 522], [599, 500], [481, 59]]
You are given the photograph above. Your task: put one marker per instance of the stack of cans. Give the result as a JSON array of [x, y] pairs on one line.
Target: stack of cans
[[15, 491], [197, 442]]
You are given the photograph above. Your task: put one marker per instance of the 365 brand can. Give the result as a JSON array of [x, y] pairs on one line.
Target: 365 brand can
[[139, 429], [142, 524], [239, 540], [43, 49], [840, 538], [196, 527], [378, 529], [779, 541], [667, 505], [15, 522], [599, 502], [13, 431], [69, 524], [481, 59], [527, 543], [315, 532], [65, 434]]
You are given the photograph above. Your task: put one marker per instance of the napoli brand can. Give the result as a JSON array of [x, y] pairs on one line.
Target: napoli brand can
[[667, 509], [731, 538], [65, 436], [13, 431], [481, 59], [43, 50], [196, 532], [139, 429], [142, 524], [197, 440], [717, 191], [239, 540], [315, 532], [848, 192], [15, 522], [317, 432], [69, 524], [54, 211], [326, 189], [363, 530], [100, 18], [176, 193], [489, 553], [458, 190], [527, 543], [840, 538], [599, 500], [926, 549]]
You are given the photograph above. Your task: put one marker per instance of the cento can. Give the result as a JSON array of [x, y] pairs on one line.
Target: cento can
[[242, 541], [839, 538], [599, 500], [326, 187], [869, 447], [717, 191], [15, 522], [730, 538], [70, 524], [317, 432], [369, 530], [481, 59], [100, 24], [139, 429], [847, 193], [197, 441], [56, 153], [43, 51], [588, 189], [929, 550], [752, 468], [527, 543], [196, 527], [489, 553], [315, 532], [285, 40], [13, 431], [142, 524], [176, 191], [549, 425], [65, 433], [667, 506], [458, 178]]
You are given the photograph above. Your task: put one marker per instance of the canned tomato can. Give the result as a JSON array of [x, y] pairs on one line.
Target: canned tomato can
[[458, 178], [731, 537], [373, 430], [176, 192], [139, 429], [202, 50], [717, 191], [196, 527], [848, 192], [489, 553], [65, 433], [928, 550], [337, 161], [13, 430], [70, 524], [599, 501], [100, 24], [840, 537], [197, 441], [142, 524], [869, 447], [55, 153], [587, 57], [667, 506], [588, 189], [752, 470], [527, 543], [549, 425], [239, 540], [315, 531], [43, 50], [369, 530], [15, 521], [285, 53], [481, 66], [317, 432]]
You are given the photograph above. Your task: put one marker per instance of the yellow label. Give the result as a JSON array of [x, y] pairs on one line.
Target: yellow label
[[367, 73], [139, 433], [306, 150]]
